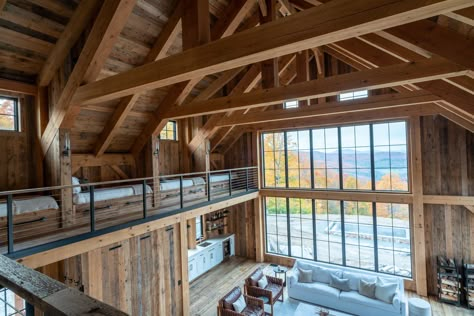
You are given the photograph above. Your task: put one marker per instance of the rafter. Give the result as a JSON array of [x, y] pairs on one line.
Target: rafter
[[247, 83], [331, 22], [464, 15], [425, 70], [112, 17], [179, 92], [17, 87], [79, 21], [371, 103], [162, 44]]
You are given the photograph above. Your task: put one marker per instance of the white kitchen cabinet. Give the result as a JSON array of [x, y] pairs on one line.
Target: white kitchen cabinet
[[219, 253], [192, 269], [232, 245], [202, 263]]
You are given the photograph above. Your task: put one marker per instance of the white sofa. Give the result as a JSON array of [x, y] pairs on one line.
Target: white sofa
[[320, 293]]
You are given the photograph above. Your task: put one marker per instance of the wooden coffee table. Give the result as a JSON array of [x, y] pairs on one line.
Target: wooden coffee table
[[305, 309]]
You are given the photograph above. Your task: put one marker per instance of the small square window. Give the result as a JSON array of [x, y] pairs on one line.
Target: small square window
[[290, 104], [353, 95], [9, 114], [170, 131]]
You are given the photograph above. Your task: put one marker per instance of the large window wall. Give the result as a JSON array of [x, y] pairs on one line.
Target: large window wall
[[356, 157], [365, 235]]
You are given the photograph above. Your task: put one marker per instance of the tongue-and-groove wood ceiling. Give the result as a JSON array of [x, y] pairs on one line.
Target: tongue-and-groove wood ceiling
[[31, 29]]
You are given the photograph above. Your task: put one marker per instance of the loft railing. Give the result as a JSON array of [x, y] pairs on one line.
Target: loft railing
[[35, 220]]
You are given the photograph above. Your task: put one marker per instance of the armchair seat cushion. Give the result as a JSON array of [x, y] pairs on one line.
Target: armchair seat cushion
[[275, 288], [252, 310]]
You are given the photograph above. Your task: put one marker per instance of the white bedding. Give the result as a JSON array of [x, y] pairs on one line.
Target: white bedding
[[110, 193], [29, 205], [219, 177]]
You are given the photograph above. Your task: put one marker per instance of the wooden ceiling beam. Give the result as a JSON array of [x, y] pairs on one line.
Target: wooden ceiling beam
[[331, 22], [83, 14], [180, 91], [112, 17], [426, 70], [437, 40], [400, 112], [17, 87], [367, 104], [465, 15], [448, 112], [247, 83], [161, 46]]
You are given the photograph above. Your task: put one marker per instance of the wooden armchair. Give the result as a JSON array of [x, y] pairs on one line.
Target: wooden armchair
[[273, 291], [255, 306]]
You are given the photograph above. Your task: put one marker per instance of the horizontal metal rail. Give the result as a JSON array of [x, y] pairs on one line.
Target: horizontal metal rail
[[69, 222]]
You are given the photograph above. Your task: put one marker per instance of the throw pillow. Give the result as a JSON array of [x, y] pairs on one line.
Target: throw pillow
[[262, 283], [239, 304], [75, 181], [385, 291], [305, 276], [340, 284], [367, 288], [323, 275]]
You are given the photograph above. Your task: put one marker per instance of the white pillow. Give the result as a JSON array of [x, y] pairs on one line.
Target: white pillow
[[262, 283], [323, 275], [239, 304], [75, 181], [385, 291]]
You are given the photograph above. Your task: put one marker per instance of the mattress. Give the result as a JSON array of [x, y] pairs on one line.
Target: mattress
[[219, 177], [110, 193], [29, 205]]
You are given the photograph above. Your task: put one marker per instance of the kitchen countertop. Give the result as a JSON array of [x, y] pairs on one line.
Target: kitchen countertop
[[213, 241]]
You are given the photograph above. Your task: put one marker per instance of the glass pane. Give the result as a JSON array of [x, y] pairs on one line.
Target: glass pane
[[320, 178], [347, 136], [335, 253], [348, 158], [272, 243], [362, 133], [349, 177], [398, 133], [296, 247], [383, 179], [318, 139], [333, 181], [305, 178], [308, 249], [271, 224], [321, 209], [381, 135], [398, 156], [293, 178], [367, 258], [352, 256], [304, 159], [269, 177], [292, 140], [322, 229], [7, 106], [399, 179], [319, 158], [7, 122], [332, 138], [363, 179], [363, 157], [322, 248], [382, 157], [403, 264]]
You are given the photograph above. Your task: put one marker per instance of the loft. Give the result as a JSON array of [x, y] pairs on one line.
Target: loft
[[156, 153]]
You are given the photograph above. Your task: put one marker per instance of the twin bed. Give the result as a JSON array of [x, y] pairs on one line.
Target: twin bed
[[44, 215]]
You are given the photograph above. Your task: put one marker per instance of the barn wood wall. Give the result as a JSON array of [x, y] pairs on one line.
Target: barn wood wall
[[19, 150], [448, 169], [140, 276]]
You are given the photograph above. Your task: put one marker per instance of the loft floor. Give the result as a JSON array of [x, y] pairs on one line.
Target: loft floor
[[210, 287]]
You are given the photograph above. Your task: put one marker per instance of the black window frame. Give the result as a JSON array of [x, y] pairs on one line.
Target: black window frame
[[332, 241], [370, 170], [166, 130], [16, 114]]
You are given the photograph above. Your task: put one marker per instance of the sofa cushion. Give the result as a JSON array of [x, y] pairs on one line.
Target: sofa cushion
[[385, 291], [341, 284], [319, 289], [354, 278], [252, 310], [323, 275], [305, 276], [239, 305], [231, 297], [355, 298], [367, 288]]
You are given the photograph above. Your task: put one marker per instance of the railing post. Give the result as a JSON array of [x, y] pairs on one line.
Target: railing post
[[29, 309], [230, 182], [92, 207], [144, 198], [181, 193], [208, 175], [246, 179], [10, 223]]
